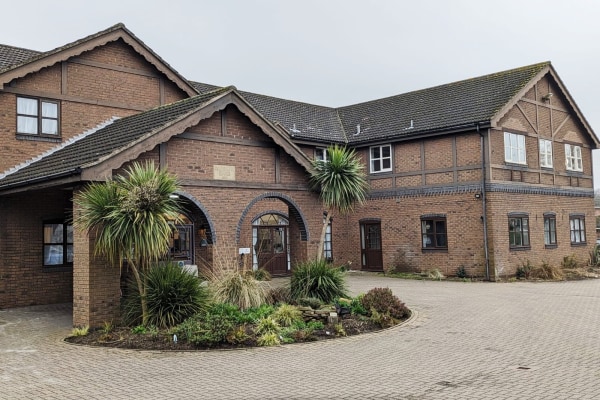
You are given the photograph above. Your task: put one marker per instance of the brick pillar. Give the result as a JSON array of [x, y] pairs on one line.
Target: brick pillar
[[96, 285]]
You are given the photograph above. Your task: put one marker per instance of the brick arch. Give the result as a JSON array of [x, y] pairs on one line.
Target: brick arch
[[295, 213], [211, 233]]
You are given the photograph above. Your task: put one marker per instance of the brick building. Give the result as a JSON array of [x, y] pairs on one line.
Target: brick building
[[484, 174]]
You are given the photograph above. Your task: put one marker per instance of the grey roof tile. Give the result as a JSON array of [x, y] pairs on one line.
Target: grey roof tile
[[10, 56], [90, 149], [444, 107]]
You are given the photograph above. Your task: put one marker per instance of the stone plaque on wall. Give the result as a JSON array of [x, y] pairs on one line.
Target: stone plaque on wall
[[224, 172]]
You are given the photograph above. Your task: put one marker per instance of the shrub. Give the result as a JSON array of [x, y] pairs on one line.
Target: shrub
[[238, 288], [435, 274], [210, 327], [268, 339], [267, 325], [524, 271], [317, 279], [138, 330], [383, 301], [237, 335], [548, 272], [260, 274], [311, 302], [82, 331], [594, 260], [384, 320], [252, 315], [357, 306], [570, 262], [172, 295], [287, 315], [281, 294], [461, 272]]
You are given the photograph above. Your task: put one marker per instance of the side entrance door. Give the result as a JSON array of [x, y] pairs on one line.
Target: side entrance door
[[370, 242]]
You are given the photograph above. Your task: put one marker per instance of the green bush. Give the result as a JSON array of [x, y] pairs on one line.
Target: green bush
[[384, 302], [357, 306], [252, 315], [461, 272], [287, 315], [172, 295], [267, 325], [317, 279], [311, 302], [211, 327], [238, 288], [268, 339]]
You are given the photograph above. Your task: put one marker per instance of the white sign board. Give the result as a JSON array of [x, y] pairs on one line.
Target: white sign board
[[244, 250]]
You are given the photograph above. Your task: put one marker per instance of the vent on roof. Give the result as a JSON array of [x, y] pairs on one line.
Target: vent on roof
[[357, 129], [411, 125], [294, 130]]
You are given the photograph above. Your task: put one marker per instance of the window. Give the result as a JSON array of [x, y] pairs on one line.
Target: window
[[514, 148], [381, 158], [37, 116], [321, 154], [58, 244], [577, 223], [573, 155], [550, 229], [433, 232], [327, 248], [518, 231], [545, 153]]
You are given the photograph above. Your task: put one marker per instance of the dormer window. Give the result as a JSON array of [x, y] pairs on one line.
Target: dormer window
[[37, 116]]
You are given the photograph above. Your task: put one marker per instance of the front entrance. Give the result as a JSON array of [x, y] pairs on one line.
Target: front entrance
[[370, 243], [270, 243]]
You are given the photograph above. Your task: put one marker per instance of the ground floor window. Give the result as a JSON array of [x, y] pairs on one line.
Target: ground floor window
[[58, 243], [433, 232], [550, 229], [518, 231], [577, 224], [327, 248]]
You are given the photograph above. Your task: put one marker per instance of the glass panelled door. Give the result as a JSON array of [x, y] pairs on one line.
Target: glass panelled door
[[370, 241]]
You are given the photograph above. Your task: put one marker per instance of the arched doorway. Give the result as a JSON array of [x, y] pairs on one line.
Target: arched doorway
[[182, 241], [270, 243]]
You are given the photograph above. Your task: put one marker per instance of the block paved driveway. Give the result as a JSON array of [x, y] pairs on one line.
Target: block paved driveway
[[467, 341]]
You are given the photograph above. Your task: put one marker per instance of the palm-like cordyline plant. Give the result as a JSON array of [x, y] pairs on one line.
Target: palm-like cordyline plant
[[131, 215], [341, 182]]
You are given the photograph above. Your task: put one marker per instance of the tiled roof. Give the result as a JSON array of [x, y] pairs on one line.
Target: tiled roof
[[444, 107], [91, 148], [300, 120], [10, 56]]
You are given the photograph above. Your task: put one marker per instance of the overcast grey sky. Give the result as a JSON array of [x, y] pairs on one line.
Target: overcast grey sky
[[338, 52]]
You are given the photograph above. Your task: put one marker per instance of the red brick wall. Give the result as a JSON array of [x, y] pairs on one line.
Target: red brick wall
[[118, 83]]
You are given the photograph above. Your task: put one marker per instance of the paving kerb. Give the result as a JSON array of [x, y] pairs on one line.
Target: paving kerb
[[466, 341]]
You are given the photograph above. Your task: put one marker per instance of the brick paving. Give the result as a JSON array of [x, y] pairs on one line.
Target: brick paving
[[467, 341]]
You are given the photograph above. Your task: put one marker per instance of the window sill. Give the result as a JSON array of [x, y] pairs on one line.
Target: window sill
[[524, 248], [551, 246], [516, 164], [434, 250], [39, 138], [580, 244], [57, 268], [389, 171]]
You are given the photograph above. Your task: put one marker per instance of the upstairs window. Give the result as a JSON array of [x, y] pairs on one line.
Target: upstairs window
[[37, 116], [381, 158], [514, 148], [518, 231], [58, 244], [321, 154], [433, 232], [573, 156], [545, 153]]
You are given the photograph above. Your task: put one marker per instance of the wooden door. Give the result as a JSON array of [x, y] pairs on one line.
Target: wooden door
[[370, 239], [271, 248]]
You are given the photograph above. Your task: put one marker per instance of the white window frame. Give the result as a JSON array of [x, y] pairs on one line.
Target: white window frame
[[546, 153], [515, 150], [377, 162], [321, 154], [573, 159], [577, 229]]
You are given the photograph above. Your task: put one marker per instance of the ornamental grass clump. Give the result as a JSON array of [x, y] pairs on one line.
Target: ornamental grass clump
[[287, 315], [317, 279]]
